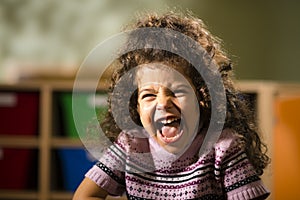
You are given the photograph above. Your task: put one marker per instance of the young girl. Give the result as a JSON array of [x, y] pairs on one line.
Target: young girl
[[159, 157]]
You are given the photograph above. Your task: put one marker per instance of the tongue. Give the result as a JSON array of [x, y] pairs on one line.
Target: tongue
[[169, 131]]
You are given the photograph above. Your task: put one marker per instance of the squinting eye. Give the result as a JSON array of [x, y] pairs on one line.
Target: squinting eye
[[148, 96], [180, 92]]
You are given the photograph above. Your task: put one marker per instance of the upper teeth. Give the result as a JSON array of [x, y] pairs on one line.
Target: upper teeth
[[168, 121]]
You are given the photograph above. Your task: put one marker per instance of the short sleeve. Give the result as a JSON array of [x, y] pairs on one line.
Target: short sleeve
[[108, 172], [105, 179], [240, 180]]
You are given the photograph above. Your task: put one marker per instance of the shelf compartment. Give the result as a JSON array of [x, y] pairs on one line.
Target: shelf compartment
[[18, 168], [71, 164], [19, 112], [75, 112]]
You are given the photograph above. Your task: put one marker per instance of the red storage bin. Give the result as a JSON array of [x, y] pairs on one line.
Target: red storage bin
[[19, 112], [17, 170]]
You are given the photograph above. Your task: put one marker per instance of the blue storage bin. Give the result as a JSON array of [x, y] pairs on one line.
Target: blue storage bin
[[75, 162]]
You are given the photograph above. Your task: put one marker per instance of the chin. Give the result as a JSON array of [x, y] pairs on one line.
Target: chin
[[177, 148]]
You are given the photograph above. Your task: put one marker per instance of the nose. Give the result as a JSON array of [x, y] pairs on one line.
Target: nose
[[164, 101]]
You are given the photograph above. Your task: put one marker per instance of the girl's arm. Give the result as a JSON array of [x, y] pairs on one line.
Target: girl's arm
[[89, 190]]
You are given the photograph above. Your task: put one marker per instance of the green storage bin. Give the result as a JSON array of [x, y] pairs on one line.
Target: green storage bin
[[88, 107]]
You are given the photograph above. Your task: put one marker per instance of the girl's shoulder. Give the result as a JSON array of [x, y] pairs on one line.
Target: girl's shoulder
[[133, 140], [228, 138], [228, 144]]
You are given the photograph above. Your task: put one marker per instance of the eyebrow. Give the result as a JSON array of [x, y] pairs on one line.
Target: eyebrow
[[180, 86], [183, 86], [146, 90]]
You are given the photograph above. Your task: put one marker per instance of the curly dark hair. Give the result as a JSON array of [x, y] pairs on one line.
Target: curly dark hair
[[239, 116]]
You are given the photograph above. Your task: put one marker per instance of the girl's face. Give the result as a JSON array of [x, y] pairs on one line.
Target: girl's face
[[168, 106]]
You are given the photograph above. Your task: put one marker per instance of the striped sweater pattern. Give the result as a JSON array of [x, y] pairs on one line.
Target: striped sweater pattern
[[142, 169]]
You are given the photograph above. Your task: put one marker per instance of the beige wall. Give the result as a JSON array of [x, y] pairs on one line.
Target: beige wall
[[261, 35]]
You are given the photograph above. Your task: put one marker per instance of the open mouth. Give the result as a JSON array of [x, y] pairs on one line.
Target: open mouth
[[169, 129]]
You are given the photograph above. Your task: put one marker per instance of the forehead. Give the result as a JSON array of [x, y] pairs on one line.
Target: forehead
[[157, 73]]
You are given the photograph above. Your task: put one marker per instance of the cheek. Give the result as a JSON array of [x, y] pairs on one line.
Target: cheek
[[190, 108], [145, 111], [188, 103]]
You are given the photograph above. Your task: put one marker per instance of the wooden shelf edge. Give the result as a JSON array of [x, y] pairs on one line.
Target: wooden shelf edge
[[59, 142], [18, 194], [63, 195], [18, 141]]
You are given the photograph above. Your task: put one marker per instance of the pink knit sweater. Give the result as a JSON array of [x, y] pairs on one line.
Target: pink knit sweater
[[142, 169]]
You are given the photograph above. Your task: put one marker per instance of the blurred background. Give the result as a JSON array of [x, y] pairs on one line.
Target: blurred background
[[50, 39], [262, 37]]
